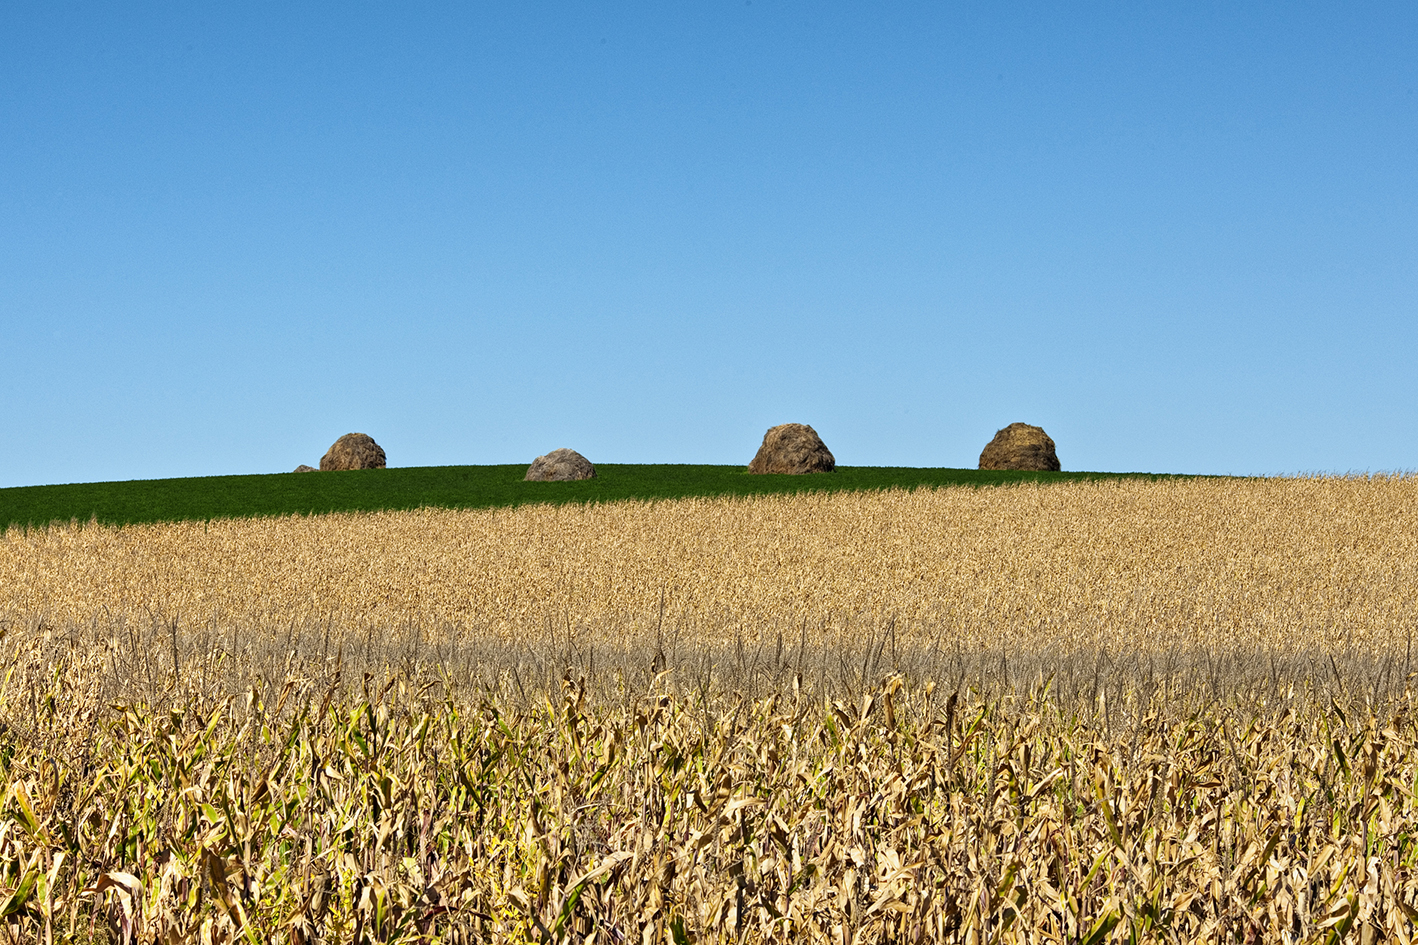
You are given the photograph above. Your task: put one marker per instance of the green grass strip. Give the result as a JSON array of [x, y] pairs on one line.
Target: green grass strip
[[452, 487]]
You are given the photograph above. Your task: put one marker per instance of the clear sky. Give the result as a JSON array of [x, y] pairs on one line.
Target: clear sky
[[1182, 237]]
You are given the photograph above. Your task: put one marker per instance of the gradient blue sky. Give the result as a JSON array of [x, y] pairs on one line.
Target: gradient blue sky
[[1182, 237]]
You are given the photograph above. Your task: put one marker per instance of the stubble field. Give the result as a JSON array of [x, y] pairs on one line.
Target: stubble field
[[1106, 711]]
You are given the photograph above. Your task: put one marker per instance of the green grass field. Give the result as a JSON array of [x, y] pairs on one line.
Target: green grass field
[[209, 497]]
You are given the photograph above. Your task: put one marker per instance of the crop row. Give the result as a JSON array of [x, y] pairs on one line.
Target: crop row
[[385, 811], [1125, 565]]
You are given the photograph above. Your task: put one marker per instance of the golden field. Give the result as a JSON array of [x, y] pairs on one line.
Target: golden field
[[1267, 562], [1120, 711]]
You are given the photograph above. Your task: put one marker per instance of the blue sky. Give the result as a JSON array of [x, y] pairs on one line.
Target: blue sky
[[1180, 237]]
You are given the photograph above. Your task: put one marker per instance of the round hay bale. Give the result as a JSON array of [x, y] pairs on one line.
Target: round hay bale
[[353, 451], [793, 449], [1020, 446], [561, 465]]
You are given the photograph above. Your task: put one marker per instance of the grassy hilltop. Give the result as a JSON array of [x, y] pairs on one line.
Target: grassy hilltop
[[454, 487]]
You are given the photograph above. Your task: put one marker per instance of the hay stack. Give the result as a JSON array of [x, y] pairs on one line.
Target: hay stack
[[561, 465], [353, 451], [794, 449], [1020, 446]]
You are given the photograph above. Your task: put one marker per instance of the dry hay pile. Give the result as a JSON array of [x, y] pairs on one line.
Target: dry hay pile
[[561, 465], [353, 451], [1020, 446], [792, 449]]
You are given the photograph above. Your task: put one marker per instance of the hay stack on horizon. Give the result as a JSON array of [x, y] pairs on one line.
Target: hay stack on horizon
[[1020, 446], [563, 465], [793, 449], [353, 451]]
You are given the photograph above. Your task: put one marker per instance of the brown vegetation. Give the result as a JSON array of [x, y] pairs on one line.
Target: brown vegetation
[[1092, 712], [563, 465], [1122, 565], [353, 451], [1020, 446], [793, 449]]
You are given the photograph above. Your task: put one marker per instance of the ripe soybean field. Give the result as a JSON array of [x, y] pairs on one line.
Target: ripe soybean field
[[1177, 710]]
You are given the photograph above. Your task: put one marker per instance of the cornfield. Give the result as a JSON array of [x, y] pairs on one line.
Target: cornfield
[[1103, 712]]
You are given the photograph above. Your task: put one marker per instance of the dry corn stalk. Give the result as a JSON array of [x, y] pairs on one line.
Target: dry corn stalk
[[403, 805], [398, 816]]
